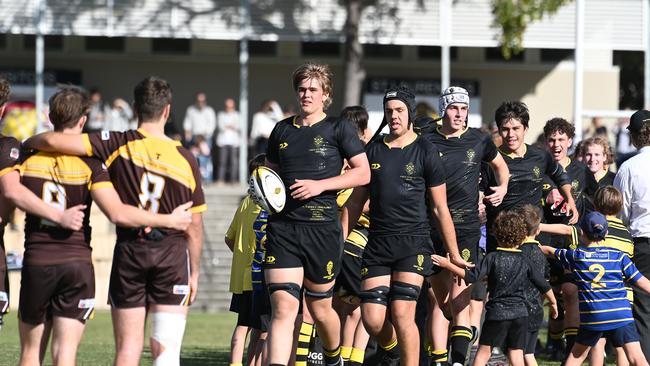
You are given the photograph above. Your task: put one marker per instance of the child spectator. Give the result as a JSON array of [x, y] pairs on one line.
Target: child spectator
[[601, 274], [508, 274], [201, 151], [241, 239]]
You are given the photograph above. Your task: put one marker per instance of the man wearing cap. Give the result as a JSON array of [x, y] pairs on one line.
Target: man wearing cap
[[406, 171], [462, 149], [633, 180]]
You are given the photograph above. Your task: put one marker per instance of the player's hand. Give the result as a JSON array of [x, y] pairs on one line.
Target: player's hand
[[73, 218], [554, 198], [194, 286], [460, 262], [181, 217], [553, 310], [442, 262], [482, 213], [572, 211], [305, 188], [496, 197]]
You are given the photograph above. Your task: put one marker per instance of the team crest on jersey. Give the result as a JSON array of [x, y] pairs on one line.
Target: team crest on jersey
[[465, 254], [409, 168], [537, 172], [364, 271], [471, 154], [329, 268], [270, 259], [420, 260], [375, 166], [318, 140], [14, 153], [575, 185], [283, 145]]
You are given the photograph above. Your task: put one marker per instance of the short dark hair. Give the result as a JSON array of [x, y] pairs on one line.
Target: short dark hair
[[512, 110], [151, 96], [560, 125], [509, 229], [5, 90], [256, 162], [532, 217], [67, 105], [641, 138], [608, 200], [357, 115]]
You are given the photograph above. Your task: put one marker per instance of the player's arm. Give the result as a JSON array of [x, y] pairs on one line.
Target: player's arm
[[351, 211], [444, 262], [565, 189], [357, 175], [644, 284], [194, 235], [547, 250], [440, 211], [557, 229], [26, 200], [552, 303], [130, 216], [502, 172], [58, 142]]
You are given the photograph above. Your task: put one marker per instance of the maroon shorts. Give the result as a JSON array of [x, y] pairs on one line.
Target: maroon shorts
[[150, 273], [64, 290]]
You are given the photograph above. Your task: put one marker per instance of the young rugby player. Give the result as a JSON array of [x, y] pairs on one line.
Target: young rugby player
[[508, 274]]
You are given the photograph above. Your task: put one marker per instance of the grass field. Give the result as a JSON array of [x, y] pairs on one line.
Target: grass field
[[206, 341]]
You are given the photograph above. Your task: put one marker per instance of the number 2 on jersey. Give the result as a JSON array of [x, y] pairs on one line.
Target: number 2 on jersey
[[151, 189], [595, 283]]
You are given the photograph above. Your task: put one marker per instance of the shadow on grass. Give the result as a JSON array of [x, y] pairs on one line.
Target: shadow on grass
[[201, 356]]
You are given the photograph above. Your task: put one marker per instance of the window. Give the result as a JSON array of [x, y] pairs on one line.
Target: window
[[52, 43], [435, 52], [382, 51], [321, 49], [3, 41], [171, 46], [105, 44], [260, 48], [554, 55], [494, 54]]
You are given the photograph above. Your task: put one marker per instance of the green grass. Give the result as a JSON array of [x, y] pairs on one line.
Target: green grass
[[206, 341]]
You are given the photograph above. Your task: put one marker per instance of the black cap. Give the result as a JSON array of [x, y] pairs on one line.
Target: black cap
[[404, 94], [638, 119]]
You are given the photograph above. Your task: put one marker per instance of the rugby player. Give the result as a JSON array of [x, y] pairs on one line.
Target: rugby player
[[406, 172], [154, 271], [13, 193], [462, 149], [58, 283], [305, 244]]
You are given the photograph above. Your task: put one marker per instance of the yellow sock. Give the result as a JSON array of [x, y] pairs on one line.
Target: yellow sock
[[346, 352], [357, 355]]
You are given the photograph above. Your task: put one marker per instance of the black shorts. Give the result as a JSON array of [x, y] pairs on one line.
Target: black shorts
[[4, 289], [509, 333], [386, 254], [619, 336], [348, 282], [479, 288], [150, 273], [317, 248], [467, 241], [242, 304], [531, 341], [261, 309], [63, 290]]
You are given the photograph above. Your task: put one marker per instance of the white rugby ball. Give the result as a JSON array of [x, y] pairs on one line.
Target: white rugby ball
[[267, 189]]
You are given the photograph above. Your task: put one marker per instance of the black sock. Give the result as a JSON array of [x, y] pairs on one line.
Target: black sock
[[332, 358], [570, 336], [460, 337], [439, 357], [391, 349]]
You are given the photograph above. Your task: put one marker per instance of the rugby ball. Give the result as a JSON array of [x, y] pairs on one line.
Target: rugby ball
[[267, 189]]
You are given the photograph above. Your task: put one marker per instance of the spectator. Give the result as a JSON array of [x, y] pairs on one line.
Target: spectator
[[121, 117], [200, 119], [200, 148], [633, 180], [624, 147], [228, 142], [596, 129], [263, 122], [99, 112]]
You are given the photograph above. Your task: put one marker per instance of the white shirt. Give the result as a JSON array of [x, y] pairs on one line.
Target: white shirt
[[228, 123], [633, 180], [200, 121], [264, 122]]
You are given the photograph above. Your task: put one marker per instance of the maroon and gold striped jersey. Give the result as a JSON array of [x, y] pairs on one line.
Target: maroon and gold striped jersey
[[61, 181], [9, 156], [148, 172]]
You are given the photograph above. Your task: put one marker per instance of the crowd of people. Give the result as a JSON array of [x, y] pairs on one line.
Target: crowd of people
[[403, 240], [473, 227]]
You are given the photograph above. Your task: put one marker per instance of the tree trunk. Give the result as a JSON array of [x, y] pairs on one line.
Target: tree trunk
[[353, 54]]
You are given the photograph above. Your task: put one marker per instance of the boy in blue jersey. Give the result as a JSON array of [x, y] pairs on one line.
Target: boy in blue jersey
[[600, 274]]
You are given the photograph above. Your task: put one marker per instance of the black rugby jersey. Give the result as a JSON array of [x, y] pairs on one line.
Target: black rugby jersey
[[607, 179], [398, 186], [311, 152], [508, 274], [9, 156], [526, 179], [462, 157], [583, 187], [538, 262]]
